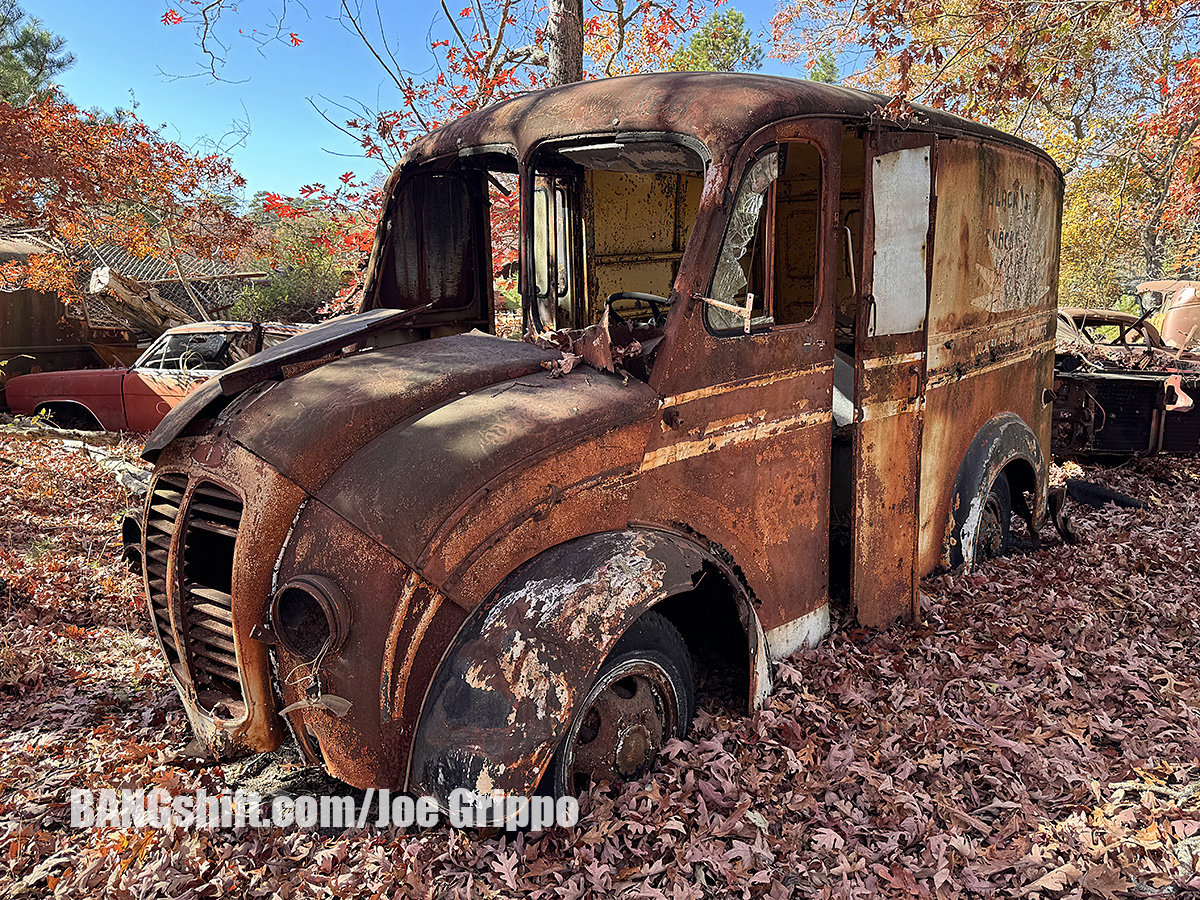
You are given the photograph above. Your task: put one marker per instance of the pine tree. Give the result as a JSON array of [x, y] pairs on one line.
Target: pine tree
[[30, 56], [722, 44]]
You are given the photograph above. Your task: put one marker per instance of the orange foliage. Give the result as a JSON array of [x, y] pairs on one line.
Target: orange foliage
[[82, 179]]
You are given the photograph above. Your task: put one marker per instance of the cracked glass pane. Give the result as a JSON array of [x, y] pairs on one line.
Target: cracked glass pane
[[730, 281]]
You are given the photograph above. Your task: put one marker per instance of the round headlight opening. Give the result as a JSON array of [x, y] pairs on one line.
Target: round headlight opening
[[309, 614]]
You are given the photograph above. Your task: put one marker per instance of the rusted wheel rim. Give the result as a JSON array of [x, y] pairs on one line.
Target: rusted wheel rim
[[990, 542], [626, 716]]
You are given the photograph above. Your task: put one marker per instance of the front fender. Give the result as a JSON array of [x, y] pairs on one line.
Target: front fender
[[506, 690]]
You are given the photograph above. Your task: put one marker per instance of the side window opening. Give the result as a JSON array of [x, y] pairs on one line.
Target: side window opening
[[435, 243], [504, 214], [554, 228], [849, 237], [770, 255], [453, 246]]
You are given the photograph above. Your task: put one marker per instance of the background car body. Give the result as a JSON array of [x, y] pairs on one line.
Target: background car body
[[1107, 327], [137, 398]]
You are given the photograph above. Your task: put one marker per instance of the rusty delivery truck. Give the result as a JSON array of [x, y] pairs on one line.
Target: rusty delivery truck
[[778, 347]]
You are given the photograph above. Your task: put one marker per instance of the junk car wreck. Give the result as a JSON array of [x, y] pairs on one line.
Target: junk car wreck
[[1120, 389], [452, 561]]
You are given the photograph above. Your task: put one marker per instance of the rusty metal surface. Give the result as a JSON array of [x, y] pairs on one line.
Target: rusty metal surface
[[513, 676], [889, 376], [322, 339], [1117, 397], [718, 108], [1181, 319], [361, 397], [393, 645], [1005, 447], [1092, 318], [477, 437], [886, 471], [991, 318], [1125, 413], [269, 504], [743, 441]]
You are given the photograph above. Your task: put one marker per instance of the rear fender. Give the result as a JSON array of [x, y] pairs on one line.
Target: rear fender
[[1003, 439], [507, 688]]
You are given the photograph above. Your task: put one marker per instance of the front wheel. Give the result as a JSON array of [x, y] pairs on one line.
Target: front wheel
[[643, 697]]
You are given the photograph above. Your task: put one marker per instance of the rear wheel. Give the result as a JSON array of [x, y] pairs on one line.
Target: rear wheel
[[992, 536], [643, 697]]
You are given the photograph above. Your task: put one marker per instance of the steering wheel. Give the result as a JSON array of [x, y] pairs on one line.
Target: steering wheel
[[191, 360], [654, 300]]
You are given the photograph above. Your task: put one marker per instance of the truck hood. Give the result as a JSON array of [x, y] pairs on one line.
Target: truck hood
[[310, 347], [441, 463], [395, 439], [309, 425]]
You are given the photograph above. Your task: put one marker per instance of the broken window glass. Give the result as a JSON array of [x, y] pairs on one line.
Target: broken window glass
[[732, 278]]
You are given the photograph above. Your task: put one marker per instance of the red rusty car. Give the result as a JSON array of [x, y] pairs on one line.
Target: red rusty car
[[764, 323], [137, 398]]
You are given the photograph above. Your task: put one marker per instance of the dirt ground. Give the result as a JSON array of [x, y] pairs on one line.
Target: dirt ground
[[1037, 735]]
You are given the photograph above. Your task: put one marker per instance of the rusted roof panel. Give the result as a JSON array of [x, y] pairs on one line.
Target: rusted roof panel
[[719, 108]]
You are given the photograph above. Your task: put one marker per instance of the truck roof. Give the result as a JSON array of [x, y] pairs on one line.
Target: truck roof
[[720, 109]]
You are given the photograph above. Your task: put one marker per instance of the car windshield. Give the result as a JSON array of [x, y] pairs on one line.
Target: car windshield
[[196, 350]]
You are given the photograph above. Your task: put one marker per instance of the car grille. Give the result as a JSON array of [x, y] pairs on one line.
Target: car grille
[[160, 526], [205, 627]]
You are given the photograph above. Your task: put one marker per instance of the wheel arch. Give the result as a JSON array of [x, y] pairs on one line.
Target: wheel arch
[[1004, 445], [508, 686], [70, 406]]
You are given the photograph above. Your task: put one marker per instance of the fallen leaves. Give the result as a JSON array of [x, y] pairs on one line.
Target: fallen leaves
[[1037, 735]]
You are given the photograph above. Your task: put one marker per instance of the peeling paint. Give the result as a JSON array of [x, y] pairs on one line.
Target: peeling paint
[[806, 631]]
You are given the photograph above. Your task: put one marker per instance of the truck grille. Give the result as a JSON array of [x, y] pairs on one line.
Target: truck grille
[[213, 516], [160, 526], [204, 636]]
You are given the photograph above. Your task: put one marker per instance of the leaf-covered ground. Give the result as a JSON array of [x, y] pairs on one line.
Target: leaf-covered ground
[[1038, 735]]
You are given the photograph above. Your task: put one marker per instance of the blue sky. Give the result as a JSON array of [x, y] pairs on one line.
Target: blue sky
[[124, 53]]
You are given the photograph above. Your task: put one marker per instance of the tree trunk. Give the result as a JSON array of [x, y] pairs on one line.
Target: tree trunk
[[564, 40], [138, 303]]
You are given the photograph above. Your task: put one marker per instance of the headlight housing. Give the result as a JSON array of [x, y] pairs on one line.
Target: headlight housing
[[309, 614]]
